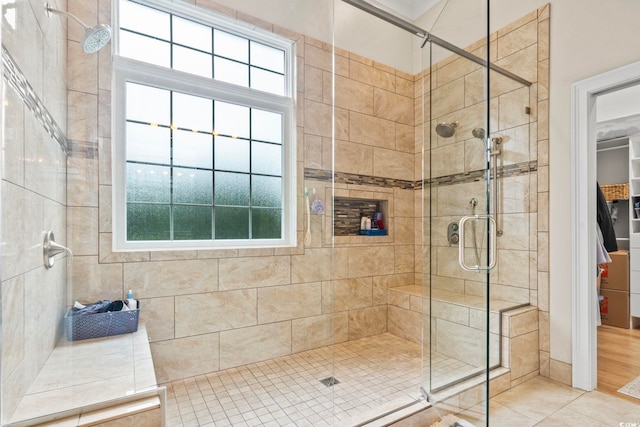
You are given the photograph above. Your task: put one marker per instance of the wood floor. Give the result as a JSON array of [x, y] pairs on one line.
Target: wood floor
[[618, 359]]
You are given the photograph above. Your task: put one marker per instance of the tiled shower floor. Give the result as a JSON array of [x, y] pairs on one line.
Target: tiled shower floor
[[376, 375]]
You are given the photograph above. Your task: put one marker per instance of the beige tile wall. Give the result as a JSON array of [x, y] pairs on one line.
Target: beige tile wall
[[210, 309], [375, 117], [457, 96], [214, 309], [33, 199]]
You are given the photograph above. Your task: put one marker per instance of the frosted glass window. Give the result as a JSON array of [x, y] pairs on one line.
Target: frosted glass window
[[148, 183], [192, 149], [200, 107], [266, 223], [191, 61], [192, 34], [192, 222], [232, 119], [192, 186], [192, 112], [149, 144], [232, 189], [232, 223], [232, 154], [266, 158], [266, 126], [266, 191], [148, 222], [148, 104]]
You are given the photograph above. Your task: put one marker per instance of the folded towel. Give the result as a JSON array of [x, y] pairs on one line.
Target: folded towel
[[98, 307]]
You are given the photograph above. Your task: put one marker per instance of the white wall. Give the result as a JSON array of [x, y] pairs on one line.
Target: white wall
[[587, 38]]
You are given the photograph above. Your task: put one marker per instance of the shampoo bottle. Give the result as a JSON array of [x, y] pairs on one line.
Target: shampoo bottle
[[131, 302]]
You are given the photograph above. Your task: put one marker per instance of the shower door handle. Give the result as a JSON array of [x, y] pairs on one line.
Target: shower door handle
[[492, 243]]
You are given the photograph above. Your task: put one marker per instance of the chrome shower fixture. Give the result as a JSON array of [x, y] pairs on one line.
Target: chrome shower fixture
[[94, 38], [446, 130], [478, 133]]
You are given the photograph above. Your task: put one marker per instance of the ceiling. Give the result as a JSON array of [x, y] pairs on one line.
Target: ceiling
[[408, 9]]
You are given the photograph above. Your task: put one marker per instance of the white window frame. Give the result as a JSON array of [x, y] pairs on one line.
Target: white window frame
[[130, 70]]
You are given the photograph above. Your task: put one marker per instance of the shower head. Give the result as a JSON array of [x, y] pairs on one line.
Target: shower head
[[446, 130], [478, 133], [94, 38]]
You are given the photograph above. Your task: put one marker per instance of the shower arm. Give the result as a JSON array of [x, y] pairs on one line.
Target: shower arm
[[51, 10]]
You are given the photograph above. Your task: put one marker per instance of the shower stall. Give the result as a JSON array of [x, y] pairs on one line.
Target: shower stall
[[427, 124]]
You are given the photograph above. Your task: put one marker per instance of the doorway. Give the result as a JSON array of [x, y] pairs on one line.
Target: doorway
[[584, 135], [617, 122]]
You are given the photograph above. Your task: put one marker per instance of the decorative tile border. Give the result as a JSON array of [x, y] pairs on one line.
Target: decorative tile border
[[83, 149], [460, 178], [356, 179], [16, 79]]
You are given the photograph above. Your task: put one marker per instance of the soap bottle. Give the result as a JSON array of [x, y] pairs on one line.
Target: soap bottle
[[131, 302]]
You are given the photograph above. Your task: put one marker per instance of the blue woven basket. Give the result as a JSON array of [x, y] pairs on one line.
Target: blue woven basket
[[100, 324]]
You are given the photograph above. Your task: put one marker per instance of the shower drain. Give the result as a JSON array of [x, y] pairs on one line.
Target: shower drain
[[330, 381]]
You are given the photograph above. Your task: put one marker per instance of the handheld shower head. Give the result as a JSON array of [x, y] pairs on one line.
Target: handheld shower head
[[94, 38], [446, 130]]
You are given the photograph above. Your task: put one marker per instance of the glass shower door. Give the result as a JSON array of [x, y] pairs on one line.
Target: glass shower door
[[459, 226]]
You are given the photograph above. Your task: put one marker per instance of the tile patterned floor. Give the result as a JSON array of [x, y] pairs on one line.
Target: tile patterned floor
[[375, 374]]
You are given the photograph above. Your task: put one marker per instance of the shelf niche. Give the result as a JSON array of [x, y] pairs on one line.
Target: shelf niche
[[347, 212]]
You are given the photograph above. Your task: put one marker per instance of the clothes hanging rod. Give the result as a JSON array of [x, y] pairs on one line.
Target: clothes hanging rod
[[619, 147], [428, 37]]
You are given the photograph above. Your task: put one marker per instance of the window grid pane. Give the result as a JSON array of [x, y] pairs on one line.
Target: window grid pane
[[185, 45], [188, 177], [200, 186]]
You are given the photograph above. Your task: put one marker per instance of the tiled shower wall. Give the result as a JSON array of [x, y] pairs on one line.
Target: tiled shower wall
[[457, 95], [454, 88], [207, 310], [33, 192], [214, 309]]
